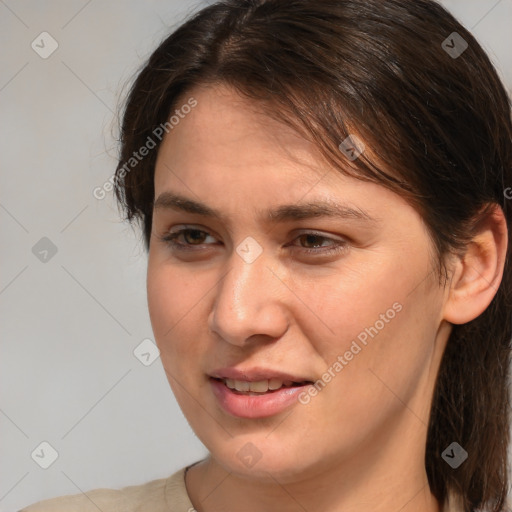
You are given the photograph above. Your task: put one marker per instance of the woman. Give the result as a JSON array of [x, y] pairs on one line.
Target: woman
[[322, 190]]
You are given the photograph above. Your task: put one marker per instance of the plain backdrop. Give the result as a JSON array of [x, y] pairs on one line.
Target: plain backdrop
[[72, 281]]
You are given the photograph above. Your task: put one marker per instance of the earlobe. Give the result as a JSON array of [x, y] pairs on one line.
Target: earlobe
[[478, 272]]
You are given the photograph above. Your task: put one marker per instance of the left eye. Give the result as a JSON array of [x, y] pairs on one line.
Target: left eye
[[314, 243], [313, 240]]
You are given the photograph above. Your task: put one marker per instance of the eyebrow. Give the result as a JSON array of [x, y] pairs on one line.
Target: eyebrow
[[283, 213]]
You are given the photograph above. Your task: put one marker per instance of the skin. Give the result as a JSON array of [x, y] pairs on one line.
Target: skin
[[360, 443]]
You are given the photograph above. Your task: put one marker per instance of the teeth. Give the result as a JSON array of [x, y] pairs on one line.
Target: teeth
[[274, 384], [260, 386], [242, 385]]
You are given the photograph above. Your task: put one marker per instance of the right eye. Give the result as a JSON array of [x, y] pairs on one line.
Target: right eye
[[185, 239]]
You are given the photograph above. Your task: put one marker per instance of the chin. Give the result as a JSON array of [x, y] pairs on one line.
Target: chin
[[256, 457]]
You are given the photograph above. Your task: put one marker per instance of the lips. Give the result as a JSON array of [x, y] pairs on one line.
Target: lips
[[251, 405], [256, 392]]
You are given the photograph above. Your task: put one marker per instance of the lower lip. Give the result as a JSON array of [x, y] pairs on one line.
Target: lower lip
[[255, 406]]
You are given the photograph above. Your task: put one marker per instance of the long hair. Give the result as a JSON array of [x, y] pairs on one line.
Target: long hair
[[411, 82]]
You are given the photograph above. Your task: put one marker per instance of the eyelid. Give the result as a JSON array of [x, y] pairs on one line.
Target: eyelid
[[320, 234], [178, 228]]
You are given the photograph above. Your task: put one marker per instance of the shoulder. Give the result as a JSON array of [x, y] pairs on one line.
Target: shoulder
[[166, 494]]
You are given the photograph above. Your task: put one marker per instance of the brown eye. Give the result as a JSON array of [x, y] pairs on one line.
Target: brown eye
[[187, 238], [194, 236], [310, 241], [316, 244]]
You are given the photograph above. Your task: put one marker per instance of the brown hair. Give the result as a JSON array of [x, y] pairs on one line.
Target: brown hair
[[438, 128]]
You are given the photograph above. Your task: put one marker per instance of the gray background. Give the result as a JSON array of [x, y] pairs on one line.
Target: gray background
[[70, 324]]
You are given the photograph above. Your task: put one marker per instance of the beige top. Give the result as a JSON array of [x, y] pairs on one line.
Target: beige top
[[164, 495]]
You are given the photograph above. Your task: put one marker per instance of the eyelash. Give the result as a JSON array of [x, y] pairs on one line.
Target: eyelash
[[339, 246]]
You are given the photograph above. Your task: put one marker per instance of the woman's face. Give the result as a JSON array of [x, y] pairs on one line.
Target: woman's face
[[289, 270]]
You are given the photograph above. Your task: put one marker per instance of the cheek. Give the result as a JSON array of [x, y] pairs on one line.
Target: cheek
[[173, 302], [373, 322], [163, 301], [386, 356], [350, 304]]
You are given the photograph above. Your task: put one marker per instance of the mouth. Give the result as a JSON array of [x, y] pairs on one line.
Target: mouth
[[251, 399], [259, 387]]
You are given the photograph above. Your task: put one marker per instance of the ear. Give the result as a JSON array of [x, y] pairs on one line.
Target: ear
[[478, 272]]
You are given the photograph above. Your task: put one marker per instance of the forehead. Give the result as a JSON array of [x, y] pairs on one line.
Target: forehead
[[227, 136], [229, 150], [224, 125]]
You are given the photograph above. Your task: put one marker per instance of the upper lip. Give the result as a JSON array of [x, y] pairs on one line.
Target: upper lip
[[255, 374]]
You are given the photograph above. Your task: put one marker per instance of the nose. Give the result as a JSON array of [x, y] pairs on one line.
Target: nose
[[250, 303]]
